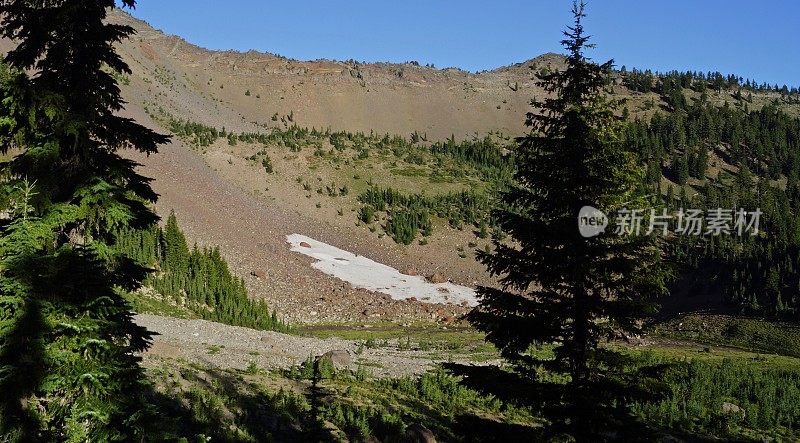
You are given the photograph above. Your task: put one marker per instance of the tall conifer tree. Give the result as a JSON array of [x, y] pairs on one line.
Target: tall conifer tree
[[557, 286], [68, 370]]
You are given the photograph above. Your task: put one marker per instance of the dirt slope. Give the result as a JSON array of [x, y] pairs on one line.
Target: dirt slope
[[214, 207], [252, 237], [386, 98]]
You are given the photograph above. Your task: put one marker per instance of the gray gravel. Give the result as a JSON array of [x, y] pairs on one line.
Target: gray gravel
[[223, 346]]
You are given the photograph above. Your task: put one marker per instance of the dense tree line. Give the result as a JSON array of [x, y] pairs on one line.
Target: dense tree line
[[410, 214], [490, 160], [200, 134], [759, 273], [648, 81], [483, 153], [404, 225], [766, 141], [762, 150], [194, 133], [197, 278]]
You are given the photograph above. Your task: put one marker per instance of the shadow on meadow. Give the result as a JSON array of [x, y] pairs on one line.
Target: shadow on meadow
[[649, 398], [598, 413], [195, 403], [225, 407]]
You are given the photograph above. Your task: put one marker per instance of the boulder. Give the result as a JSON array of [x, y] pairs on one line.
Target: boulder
[[437, 279], [259, 274], [304, 245], [340, 360], [373, 313], [730, 408], [419, 433]]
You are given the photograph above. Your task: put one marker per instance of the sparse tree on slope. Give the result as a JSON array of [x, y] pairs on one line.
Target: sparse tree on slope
[[681, 165], [68, 369], [557, 286]]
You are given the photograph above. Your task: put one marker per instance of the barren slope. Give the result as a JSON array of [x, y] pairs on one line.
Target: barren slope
[[252, 236], [386, 98]]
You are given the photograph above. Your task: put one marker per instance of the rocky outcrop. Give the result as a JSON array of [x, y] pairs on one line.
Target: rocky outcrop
[[339, 359]]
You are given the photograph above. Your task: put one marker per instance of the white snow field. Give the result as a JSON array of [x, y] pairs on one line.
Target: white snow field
[[362, 272]]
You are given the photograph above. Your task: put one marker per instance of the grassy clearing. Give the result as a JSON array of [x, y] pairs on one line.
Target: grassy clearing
[[389, 330], [726, 394], [419, 336], [711, 392], [151, 302], [750, 334], [256, 405], [722, 394]]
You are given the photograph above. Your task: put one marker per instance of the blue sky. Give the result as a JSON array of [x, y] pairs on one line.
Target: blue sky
[[754, 39]]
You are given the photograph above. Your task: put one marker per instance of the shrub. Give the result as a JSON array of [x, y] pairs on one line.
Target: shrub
[[266, 162], [367, 214]]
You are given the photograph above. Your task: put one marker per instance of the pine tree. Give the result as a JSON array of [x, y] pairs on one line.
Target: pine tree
[[682, 170], [558, 287], [744, 185], [670, 197], [176, 250], [701, 164], [68, 369]]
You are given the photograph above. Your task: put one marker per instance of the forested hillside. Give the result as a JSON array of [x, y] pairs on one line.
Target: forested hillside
[[701, 156], [196, 280], [698, 154]]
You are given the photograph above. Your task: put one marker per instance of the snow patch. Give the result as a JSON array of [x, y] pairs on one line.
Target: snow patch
[[362, 272]]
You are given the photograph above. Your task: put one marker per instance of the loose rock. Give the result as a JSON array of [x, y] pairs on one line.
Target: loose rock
[[730, 408], [418, 433], [437, 279], [340, 360]]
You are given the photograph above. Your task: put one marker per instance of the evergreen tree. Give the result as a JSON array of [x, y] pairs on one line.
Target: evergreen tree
[[654, 171], [682, 169], [701, 164], [558, 287], [744, 185], [176, 250], [68, 370], [670, 197]]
